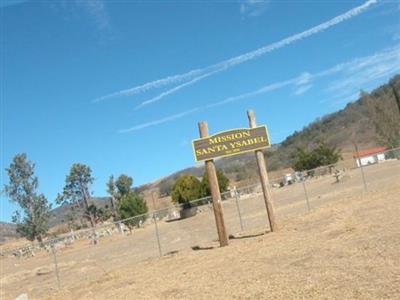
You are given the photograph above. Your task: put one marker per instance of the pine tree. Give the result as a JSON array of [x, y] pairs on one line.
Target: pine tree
[[131, 205], [76, 190], [32, 219]]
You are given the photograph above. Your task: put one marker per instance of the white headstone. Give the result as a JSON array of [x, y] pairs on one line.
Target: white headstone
[[23, 296]]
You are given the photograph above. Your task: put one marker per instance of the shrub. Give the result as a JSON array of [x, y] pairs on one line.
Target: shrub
[[130, 205], [223, 183], [185, 189], [322, 155]]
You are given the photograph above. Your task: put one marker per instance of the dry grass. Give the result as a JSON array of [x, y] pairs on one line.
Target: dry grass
[[349, 249]]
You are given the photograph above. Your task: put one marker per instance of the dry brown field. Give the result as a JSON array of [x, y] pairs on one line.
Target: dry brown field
[[346, 247]]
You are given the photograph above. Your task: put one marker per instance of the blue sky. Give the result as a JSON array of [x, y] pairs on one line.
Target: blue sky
[[121, 85]]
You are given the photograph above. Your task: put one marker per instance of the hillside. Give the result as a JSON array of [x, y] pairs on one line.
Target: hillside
[[62, 214], [7, 232], [354, 123], [59, 215]]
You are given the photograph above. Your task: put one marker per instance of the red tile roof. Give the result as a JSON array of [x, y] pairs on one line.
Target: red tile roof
[[370, 151]]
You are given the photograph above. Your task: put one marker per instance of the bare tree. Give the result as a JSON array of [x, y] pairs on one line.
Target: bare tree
[[384, 115]]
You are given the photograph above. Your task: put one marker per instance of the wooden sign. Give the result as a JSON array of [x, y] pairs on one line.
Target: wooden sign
[[231, 142]]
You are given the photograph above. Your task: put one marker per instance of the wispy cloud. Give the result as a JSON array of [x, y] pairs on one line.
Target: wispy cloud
[[266, 49], [302, 89], [152, 85], [159, 121], [93, 11], [97, 11], [253, 8], [7, 3], [265, 89], [363, 71], [393, 31], [356, 73], [199, 74], [175, 89], [304, 78]]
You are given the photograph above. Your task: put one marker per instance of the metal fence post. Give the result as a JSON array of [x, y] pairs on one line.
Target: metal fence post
[[157, 234], [238, 209], [56, 266], [306, 194], [358, 159], [119, 227], [363, 177], [156, 225]]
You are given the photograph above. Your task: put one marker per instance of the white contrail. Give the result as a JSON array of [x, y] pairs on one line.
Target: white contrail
[[175, 89], [170, 118], [378, 65], [159, 121], [264, 89], [299, 36], [152, 84], [226, 64]]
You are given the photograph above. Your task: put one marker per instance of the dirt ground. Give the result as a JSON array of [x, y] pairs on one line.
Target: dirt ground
[[348, 247]]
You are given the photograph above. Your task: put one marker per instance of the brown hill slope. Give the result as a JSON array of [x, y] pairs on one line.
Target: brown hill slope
[[7, 232], [354, 123]]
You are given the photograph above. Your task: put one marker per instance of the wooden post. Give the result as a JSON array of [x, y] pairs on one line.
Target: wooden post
[[262, 169], [215, 192]]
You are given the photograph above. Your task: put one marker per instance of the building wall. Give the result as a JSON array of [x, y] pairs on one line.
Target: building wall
[[381, 157], [371, 159]]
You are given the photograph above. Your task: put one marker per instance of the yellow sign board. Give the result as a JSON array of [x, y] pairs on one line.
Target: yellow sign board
[[231, 142]]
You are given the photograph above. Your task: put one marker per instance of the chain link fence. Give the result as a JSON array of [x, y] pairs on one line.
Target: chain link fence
[[70, 259]]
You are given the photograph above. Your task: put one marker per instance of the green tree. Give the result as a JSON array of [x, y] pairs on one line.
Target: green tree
[[112, 191], [223, 183], [303, 160], [321, 155], [185, 189], [32, 220], [326, 155], [124, 184], [77, 190], [165, 187], [130, 205], [99, 214]]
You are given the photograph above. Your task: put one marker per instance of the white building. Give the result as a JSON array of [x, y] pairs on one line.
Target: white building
[[369, 156]]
